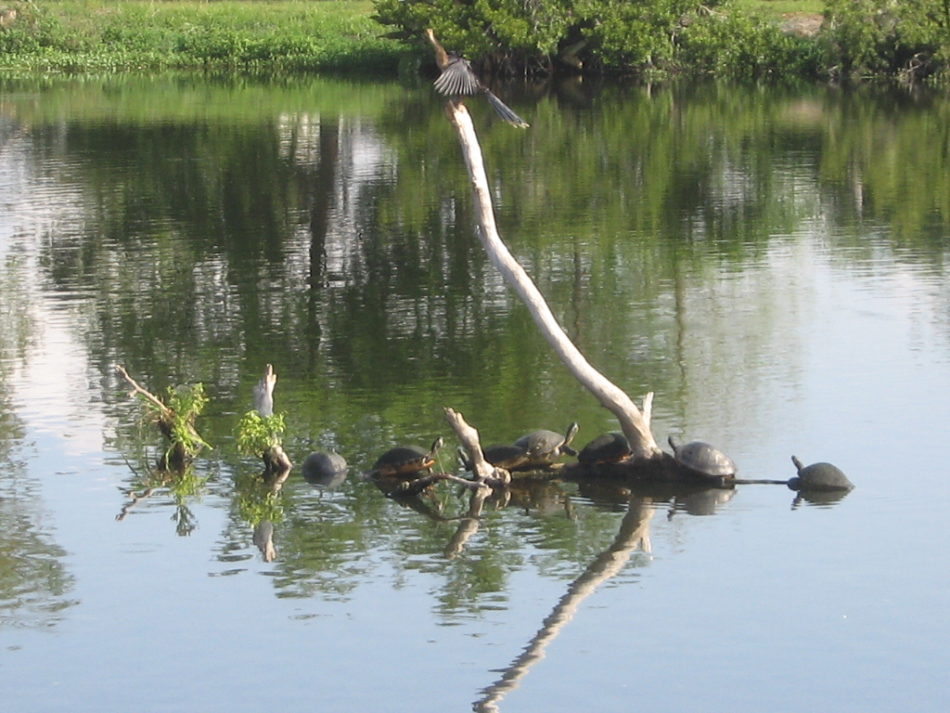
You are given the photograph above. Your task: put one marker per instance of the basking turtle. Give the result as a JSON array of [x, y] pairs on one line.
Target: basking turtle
[[324, 469], [543, 446], [608, 448], [819, 476], [406, 461], [703, 460], [507, 457]]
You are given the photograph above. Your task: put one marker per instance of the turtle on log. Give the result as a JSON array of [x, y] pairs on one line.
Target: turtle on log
[[607, 448], [405, 461], [704, 460], [543, 446]]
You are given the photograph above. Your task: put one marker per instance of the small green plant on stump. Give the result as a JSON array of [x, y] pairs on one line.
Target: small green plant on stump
[[175, 418], [261, 436]]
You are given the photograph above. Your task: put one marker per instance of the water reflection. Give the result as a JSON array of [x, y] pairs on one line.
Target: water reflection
[[181, 487], [739, 252], [35, 585], [634, 534]]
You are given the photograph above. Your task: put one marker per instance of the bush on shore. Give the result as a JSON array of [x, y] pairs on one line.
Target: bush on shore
[[730, 38]]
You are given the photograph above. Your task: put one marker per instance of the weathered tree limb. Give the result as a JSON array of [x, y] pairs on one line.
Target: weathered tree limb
[[484, 471], [264, 392], [635, 424], [179, 454], [148, 395]]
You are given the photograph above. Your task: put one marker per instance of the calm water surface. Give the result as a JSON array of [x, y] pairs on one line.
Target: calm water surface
[[772, 264]]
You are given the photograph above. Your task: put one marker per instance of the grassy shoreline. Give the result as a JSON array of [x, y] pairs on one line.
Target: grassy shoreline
[[111, 35]]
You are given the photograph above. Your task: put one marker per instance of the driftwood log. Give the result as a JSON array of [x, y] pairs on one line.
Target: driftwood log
[[634, 421]]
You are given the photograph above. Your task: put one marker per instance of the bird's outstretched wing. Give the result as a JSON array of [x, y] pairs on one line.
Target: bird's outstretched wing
[[457, 79]]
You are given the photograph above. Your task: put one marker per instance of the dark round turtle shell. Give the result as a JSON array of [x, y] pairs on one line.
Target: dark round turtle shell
[[608, 448], [406, 460], [544, 445], [324, 469], [819, 476], [507, 457], [704, 459]]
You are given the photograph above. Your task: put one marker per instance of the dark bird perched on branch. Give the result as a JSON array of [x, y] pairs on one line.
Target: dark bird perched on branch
[[458, 80]]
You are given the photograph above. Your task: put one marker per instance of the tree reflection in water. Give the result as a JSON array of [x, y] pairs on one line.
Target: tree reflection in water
[[634, 534]]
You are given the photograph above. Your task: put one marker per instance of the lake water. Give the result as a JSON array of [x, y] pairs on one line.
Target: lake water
[[772, 263]]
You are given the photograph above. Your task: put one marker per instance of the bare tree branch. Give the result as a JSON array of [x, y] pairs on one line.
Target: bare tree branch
[[635, 425]]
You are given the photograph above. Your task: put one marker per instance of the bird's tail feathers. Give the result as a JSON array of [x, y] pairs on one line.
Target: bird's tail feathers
[[504, 111]]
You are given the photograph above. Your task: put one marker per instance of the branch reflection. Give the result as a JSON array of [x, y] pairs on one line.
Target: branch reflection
[[634, 533]]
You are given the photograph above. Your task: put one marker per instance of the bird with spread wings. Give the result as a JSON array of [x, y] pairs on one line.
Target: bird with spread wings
[[458, 80]]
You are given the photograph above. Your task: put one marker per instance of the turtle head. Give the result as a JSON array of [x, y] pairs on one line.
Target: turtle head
[[571, 432], [436, 445], [669, 439]]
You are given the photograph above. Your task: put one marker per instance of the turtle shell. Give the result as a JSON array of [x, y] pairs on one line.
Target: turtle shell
[[819, 476], [324, 469], [507, 457], [704, 459], [406, 460], [543, 446], [608, 448]]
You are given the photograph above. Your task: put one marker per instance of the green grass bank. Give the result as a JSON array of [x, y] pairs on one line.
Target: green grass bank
[[104, 35]]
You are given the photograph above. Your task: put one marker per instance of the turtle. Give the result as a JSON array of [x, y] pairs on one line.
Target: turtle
[[608, 448], [704, 460], [503, 456], [818, 476], [324, 469], [543, 446], [406, 461]]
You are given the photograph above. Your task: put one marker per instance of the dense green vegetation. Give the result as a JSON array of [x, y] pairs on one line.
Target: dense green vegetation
[[739, 38], [651, 38]]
